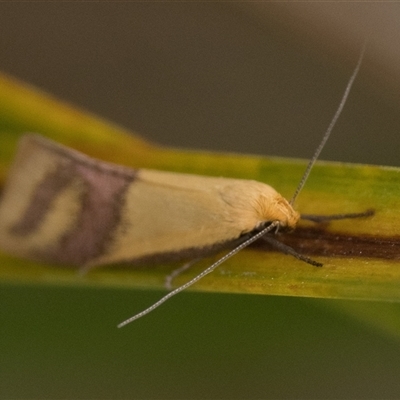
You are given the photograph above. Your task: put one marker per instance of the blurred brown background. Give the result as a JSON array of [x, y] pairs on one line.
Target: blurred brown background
[[260, 78], [256, 77]]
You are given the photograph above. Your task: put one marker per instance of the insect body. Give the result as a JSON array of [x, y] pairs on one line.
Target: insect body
[[62, 206]]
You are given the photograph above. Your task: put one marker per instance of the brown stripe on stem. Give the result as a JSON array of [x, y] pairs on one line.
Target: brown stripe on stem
[[317, 241]]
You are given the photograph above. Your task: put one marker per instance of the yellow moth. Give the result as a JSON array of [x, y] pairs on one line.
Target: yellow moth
[[61, 206]]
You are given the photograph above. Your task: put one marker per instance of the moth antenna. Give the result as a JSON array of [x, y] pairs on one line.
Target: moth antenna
[[330, 127], [272, 225], [201, 275]]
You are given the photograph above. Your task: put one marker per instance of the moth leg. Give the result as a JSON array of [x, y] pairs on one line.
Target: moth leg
[[289, 250], [169, 278], [176, 272], [333, 217]]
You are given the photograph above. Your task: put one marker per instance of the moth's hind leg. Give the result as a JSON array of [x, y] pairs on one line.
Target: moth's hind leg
[[225, 246], [176, 272], [333, 217]]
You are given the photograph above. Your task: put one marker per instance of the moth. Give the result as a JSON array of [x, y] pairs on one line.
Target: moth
[[61, 206]]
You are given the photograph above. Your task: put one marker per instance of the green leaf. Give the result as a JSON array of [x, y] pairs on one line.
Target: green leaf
[[360, 256]]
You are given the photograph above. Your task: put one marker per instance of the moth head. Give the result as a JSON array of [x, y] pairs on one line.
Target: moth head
[[278, 209], [255, 205]]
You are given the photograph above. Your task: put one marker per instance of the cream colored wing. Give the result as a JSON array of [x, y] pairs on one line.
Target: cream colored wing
[[62, 206]]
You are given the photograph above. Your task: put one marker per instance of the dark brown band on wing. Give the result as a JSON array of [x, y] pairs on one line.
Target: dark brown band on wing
[[102, 188], [101, 205], [40, 202]]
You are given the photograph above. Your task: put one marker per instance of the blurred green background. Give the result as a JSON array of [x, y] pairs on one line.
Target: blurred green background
[[228, 77]]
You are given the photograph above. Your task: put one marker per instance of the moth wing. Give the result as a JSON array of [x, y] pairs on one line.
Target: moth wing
[[59, 205], [170, 213]]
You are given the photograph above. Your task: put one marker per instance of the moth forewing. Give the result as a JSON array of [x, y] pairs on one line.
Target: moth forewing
[[21, 206], [169, 213], [62, 206]]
